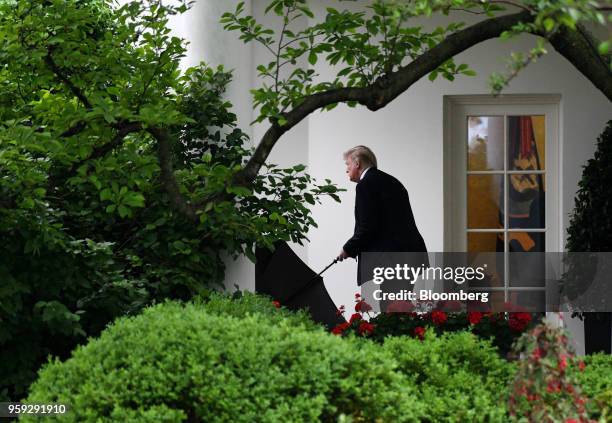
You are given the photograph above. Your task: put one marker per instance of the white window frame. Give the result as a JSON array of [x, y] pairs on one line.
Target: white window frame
[[456, 111]]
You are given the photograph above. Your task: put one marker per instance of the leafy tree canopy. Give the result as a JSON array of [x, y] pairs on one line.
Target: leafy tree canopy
[[116, 175], [379, 52]]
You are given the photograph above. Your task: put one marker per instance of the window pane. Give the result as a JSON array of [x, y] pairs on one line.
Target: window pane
[[527, 269], [485, 143], [526, 141], [523, 242], [526, 194], [484, 242], [530, 301], [484, 201], [488, 242]]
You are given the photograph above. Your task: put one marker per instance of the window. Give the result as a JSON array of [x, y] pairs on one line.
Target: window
[[501, 185]]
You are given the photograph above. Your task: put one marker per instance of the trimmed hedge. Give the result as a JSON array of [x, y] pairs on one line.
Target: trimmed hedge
[[181, 362], [242, 359], [459, 377], [243, 304]]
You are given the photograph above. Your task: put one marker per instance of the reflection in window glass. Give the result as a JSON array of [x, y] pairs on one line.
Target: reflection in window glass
[[485, 242], [526, 140], [526, 198], [522, 242], [485, 143], [484, 199]]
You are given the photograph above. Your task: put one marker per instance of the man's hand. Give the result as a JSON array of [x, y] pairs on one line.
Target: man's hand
[[343, 255]]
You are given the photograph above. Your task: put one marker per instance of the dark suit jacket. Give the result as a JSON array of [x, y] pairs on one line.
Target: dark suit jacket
[[383, 217]]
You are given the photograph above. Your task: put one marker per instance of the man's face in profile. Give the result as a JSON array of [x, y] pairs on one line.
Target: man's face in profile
[[353, 169]]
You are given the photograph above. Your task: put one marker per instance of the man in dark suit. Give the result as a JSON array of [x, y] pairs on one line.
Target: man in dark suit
[[383, 217]]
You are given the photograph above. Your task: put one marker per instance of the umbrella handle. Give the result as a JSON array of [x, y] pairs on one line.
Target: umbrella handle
[[309, 283], [328, 266]]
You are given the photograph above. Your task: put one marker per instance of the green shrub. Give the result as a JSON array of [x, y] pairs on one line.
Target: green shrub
[[243, 304], [596, 383], [180, 362], [590, 227], [459, 377], [597, 374]]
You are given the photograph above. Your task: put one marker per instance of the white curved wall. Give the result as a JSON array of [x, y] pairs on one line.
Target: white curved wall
[[406, 136]]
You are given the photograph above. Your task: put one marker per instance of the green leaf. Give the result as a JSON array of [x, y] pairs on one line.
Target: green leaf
[[134, 199], [27, 203], [240, 191], [312, 58], [309, 198], [123, 211], [105, 194], [96, 182], [549, 24]]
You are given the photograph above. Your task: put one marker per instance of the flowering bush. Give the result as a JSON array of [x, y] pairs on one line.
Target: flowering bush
[[402, 318], [356, 323], [544, 389]]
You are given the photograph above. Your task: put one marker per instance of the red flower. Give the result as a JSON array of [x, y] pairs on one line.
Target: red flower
[[536, 354], [581, 365], [419, 332], [340, 311], [562, 363], [276, 304], [365, 328], [553, 387], [354, 317], [438, 317], [339, 329], [519, 321], [474, 317], [362, 306], [357, 295]]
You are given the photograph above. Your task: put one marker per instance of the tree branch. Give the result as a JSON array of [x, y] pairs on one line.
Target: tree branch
[[123, 129], [169, 182], [579, 49], [384, 90], [75, 129], [64, 79], [164, 153]]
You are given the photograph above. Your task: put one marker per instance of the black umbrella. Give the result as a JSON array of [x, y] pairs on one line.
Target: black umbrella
[[282, 275]]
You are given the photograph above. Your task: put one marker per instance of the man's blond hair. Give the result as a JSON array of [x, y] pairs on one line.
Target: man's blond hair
[[362, 155]]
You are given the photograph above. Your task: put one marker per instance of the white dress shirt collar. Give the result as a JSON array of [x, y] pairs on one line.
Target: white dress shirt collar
[[364, 172]]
